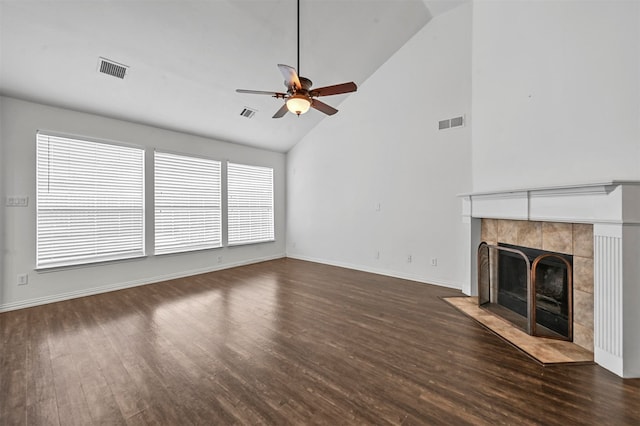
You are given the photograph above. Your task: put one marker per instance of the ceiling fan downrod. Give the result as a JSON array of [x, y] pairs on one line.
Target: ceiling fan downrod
[[298, 19], [300, 96]]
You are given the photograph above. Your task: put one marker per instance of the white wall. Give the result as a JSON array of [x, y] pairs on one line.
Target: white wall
[[2, 202], [556, 92], [384, 148], [20, 121]]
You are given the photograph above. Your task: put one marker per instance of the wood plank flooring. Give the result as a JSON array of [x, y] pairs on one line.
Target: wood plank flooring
[[285, 342]]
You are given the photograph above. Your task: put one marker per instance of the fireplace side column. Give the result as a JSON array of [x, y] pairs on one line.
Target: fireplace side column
[[472, 235], [616, 298]]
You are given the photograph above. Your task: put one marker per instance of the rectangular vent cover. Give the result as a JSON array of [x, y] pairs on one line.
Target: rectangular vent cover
[[451, 123], [456, 122], [248, 112], [106, 66], [444, 124]]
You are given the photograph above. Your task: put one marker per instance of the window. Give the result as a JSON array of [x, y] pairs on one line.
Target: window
[[250, 204], [90, 201], [187, 203]]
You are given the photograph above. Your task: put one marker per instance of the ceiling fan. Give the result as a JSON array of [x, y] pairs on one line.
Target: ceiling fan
[[299, 95]]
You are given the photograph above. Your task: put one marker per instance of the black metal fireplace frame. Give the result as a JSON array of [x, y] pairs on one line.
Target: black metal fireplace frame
[[484, 285]]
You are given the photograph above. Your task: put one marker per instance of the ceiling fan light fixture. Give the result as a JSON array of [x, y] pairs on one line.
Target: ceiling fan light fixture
[[298, 104]]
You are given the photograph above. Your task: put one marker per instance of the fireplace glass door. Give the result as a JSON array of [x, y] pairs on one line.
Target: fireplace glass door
[[530, 288]]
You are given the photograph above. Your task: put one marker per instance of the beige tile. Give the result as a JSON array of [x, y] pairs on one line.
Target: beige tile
[[508, 231], [511, 333], [489, 231], [583, 308], [583, 240], [530, 234], [583, 274], [557, 237], [574, 352], [583, 336], [545, 353]]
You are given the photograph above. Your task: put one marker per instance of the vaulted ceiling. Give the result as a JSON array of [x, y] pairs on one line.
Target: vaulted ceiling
[[186, 58]]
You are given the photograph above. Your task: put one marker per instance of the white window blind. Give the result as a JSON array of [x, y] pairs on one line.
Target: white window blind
[[90, 201], [187, 203], [250, 204]]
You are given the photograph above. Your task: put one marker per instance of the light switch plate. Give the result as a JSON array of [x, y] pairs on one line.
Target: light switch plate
[[23, 279]]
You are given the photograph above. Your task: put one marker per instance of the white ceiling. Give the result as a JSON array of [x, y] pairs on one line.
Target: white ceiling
[[186, 58]]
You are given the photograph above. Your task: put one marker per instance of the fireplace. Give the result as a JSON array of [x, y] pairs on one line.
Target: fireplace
[[599, 224], [529, 287]]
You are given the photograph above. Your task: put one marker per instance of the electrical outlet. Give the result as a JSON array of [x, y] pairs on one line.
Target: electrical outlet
[[219, 259], [409, 259], [23, 279], [434, 261]]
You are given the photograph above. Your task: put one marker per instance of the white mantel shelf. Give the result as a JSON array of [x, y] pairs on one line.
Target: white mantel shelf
[[613, 207], [606, 186], [616, 201]]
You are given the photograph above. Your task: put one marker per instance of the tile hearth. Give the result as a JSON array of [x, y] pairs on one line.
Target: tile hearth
[[544, 350]]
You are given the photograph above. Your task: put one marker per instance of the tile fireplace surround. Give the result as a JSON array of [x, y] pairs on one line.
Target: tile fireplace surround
[[607, 292], [575, 239]]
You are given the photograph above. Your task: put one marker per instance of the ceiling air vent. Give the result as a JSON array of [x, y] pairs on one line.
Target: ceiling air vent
[[107, 66], [248, 112]]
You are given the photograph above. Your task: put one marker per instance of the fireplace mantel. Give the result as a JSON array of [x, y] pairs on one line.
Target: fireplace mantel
[[599, 202], [613, 207]]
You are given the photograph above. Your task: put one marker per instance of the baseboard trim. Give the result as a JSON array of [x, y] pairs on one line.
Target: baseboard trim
[[386, 272], [12, 306], [22, 304]]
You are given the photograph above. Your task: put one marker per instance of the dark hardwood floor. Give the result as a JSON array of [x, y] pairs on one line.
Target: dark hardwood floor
[[285, 342]]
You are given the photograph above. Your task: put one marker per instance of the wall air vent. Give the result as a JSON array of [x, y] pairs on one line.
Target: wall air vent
[[457, 122], [109, 67], [248, 112], [451, 123], [443, 124]]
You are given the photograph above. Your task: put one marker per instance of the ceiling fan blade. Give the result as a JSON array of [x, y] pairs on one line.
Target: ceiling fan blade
[[336, 89], [322, 107], [281, 112], [261, 92], [290, 76]]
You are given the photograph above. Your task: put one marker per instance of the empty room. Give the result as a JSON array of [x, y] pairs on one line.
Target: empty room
[[409, 212]]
